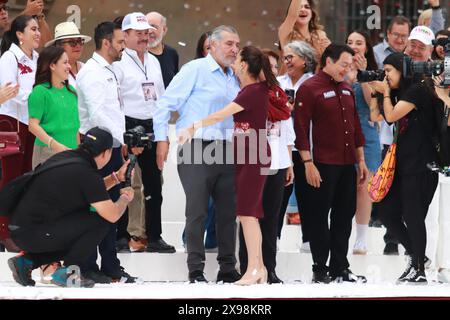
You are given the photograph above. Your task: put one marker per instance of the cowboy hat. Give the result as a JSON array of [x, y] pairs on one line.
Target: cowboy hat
[[67, 30]]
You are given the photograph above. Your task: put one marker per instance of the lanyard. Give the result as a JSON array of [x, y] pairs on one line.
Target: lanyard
[[73, 75], [144, 71], [119, 93]]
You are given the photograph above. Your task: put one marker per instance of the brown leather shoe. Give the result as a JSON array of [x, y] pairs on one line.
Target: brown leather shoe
[[137, 244]]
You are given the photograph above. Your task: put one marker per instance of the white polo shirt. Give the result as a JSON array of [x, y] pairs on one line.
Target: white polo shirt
[[16, 67], [142, 85], [99, 101]]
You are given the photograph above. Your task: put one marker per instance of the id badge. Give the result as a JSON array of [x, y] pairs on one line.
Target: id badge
[[149, 91]]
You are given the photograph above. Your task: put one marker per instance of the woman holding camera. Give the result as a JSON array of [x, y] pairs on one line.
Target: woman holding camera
[[412, 105], [364, 59]]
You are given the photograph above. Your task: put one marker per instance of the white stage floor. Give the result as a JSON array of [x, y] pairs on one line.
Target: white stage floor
[[164, 276], [158, 290]]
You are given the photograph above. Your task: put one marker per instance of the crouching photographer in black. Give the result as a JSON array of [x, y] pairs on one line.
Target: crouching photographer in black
[[54, 219], [409, 101]]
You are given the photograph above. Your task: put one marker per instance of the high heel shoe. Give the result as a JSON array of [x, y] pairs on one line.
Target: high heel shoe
[[256, 277]]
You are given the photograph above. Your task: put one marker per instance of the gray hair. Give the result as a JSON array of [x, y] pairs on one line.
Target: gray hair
[[217, 32], [163, 21], [304, 50]]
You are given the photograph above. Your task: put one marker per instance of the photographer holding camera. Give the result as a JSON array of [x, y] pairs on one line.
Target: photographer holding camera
[[49, 226], [415, 111], [100, 104]]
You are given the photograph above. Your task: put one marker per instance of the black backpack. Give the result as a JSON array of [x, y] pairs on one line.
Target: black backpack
[[12, 193]]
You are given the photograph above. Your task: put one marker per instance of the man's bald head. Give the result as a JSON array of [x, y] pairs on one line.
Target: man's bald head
[[159, 22]]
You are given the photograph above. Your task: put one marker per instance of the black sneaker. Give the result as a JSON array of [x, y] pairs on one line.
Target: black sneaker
[[391, 249], [348, 276], [321, 277], [160, 246], [415, 277], [228, 277], [408, 269], [272, 278], [122, 276], [97, 276], [197, 276], [21, 268], [122, 246]]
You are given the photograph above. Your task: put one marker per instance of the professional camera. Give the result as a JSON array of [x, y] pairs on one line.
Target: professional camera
[[369, 76], [430, 68], [136, 138]]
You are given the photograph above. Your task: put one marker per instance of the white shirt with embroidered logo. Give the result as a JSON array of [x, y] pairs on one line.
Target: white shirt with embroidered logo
[[98, 97], [24, 75], [132, 75]]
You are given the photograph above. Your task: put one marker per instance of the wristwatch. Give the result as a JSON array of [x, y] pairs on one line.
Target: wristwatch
[[436, 7]]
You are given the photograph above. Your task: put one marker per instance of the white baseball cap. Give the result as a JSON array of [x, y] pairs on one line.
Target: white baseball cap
[[422, 34], [136, 21]]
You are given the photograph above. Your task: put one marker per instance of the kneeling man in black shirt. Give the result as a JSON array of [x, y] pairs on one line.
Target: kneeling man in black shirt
[[55, 221]]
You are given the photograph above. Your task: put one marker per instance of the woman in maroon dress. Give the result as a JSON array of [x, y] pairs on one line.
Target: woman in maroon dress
[[251, 150]]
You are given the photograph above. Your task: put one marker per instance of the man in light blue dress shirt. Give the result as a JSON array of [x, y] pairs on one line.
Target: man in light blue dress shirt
[[202, 87]]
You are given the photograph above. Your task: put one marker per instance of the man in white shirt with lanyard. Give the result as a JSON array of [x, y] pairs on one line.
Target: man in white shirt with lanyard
[[142, 85], [100, 104]]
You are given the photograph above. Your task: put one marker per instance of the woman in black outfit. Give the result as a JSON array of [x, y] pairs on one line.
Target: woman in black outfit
[[413, 106]]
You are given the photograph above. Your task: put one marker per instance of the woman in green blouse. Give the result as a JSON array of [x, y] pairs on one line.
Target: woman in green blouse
[[53, 106]]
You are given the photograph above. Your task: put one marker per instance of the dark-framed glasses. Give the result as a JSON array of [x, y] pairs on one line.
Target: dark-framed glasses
[[74, 42]]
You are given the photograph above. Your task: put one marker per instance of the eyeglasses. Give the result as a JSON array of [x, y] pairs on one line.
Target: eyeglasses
[[288, 58], [74, 42], [4, 8], [402, 37]]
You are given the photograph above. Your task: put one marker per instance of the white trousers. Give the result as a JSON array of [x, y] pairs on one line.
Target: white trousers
[[438, 226]]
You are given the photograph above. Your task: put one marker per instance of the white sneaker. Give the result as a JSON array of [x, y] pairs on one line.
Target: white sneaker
[[360, 248], [305, 248], [444, 276]]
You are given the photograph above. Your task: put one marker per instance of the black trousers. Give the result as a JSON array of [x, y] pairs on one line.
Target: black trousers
[[301, 187], [409, 199], [152, 181], [72, 238], [338, 193], [272, 198], [110, 264]]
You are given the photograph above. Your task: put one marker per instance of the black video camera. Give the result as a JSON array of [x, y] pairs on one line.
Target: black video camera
[[430, 68], [136, 138], [369, 76]]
